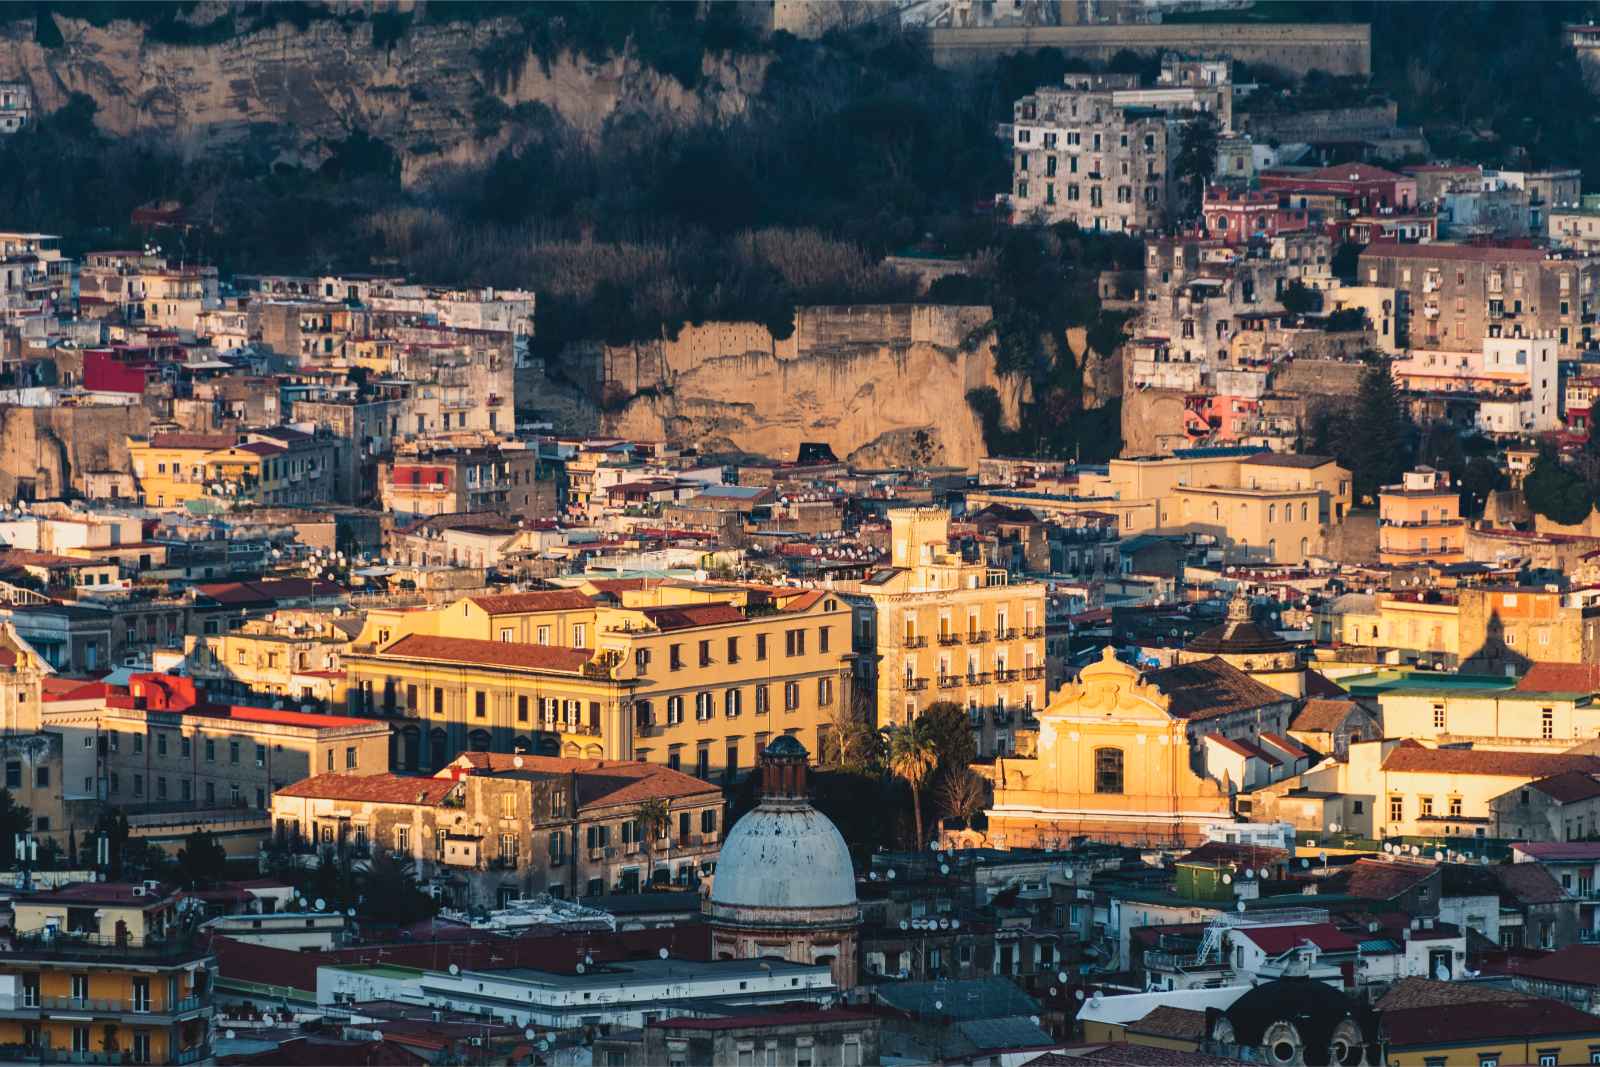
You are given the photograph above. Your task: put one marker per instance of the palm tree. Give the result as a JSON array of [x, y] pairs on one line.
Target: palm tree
[[913, 757], [653, 819]]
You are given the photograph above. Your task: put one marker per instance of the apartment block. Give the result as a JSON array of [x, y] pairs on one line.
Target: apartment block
[[1454, 296], [1419, 520], [446, 480]]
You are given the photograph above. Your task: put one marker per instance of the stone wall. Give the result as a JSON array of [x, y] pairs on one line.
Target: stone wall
[[1152, 421], [1333, 124], [46, 452], [1338, 48], [881, 385]]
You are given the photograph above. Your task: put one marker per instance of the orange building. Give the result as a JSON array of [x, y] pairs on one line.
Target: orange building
[[1419, 520]]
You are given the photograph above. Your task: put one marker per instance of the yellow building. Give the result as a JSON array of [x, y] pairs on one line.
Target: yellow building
[[1422, 626], [172, 469], [261, 661], [1419, 520], [696, 677], [104, 970], [1114, 763], [276, 466], [938, 627]]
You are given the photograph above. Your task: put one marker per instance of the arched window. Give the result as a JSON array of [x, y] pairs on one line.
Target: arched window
[[1108, 770], [478, 741], [438, 746]]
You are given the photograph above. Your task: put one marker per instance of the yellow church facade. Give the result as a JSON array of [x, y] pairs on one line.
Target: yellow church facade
[[1112, 763]]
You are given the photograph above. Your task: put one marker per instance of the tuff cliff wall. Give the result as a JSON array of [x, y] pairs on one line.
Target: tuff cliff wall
[[296, 91], [46, 451], [882, 385]]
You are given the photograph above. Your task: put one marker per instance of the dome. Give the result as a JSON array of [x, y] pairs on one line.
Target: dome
[[784, 856], [1238, 635], [786, 746]]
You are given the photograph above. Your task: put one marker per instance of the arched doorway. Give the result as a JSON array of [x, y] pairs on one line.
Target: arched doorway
[[438, 747], [478, 741], [410, 747], [547, 745]]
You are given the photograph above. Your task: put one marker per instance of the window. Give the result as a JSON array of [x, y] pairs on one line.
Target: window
[[1549, 1059], [522, 708], [14, 774], [350, 757], [330, 761], [708, 821], [1547, 723], [705, 653], [1108, 770], [794, 642], [41, 777], [733, 650], [761, 646], [402, 838], [1397, 809], [674, 710], [138, 742], [675, 658], [824, 692], [161, 743], [791, 696], [822, 638], [138, 785], [702, 706], [438, 701], [1425, 806], [1455, 807], [732, 703], [1438, 717], [763, 701], [261, 755], [480, 701]]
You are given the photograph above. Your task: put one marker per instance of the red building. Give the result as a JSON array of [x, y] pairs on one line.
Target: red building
[[1237, 215], [1361, 186], [119, 370]]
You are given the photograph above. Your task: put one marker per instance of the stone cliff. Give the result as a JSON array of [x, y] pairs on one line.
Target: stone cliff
[[882, 385], [45, 452], [295, 91]]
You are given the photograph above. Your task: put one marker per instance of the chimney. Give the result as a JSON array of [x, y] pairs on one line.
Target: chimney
[[783, 770]]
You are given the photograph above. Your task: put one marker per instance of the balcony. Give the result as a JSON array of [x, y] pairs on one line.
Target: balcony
[[1006, 633], [977, 637], [949, 639], [978, 678], [915, 685], [1006, 674], [915, 642], [1033, 674], [121, 1005], [70, 945], [949, 681], [1033, 633]]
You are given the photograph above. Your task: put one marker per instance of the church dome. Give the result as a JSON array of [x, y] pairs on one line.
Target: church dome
[[785, 853], [1238, 635]]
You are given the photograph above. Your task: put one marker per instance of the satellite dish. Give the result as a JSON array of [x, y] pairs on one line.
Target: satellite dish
[[1227, 879], [904, 925], [229, 1035], [872, 876], [1078, 993], [1250, 873], [516, 761], [891, 874], [529, 1033], [955, 924], [1438, 856], [1304, 863], [1240, 907], [1442, 971], [377, 1035], [580, 968], [662, 952], [454, 969], [1061, 976], [1265, 873], [351, 912], [588, 958], [321, 904], [1333, 828], [944, 868], [1054, 991], [938, 1005], [933, 846], [543, 1044]]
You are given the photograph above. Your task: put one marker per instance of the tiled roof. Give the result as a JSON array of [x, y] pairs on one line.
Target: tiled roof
[[1322, 716], [1383, 879], [1529, 883], [600, 782], [1296, 460], [1515, 1020], [1319, 685], [1168, 1021], [1412, 756], [1478, 253], [1122, 1054], [1232, 852], [538, 600], [1209, 688], [1288, 745], [372, 788], [1573, 965], [265, 590], [1276, 940], [1561, 678], [122, 894], [1569, 787], [1428, 993], [1244, 748], [683, 616], [208, 441], [490, 653], [1556, 851], [281, 717]]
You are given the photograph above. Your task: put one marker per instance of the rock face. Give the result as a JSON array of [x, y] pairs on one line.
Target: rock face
[[882, 385], [297, 91], [45, 452]]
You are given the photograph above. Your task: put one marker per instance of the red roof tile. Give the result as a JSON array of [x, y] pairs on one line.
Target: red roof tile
[[490, 653], [1411, 756], [538, 600], [1573, 965], [1561, 678], [208, 441], [683, 616], [1323, 716], [1384, 879], [1477, 253], [1276, 940], [1457, 1024], [601, 783], [1569, 787], [372, 788]]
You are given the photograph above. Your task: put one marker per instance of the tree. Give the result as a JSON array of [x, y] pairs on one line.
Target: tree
[[1555, 491], [1377, 448], [1197, 156], [851, 741], [950, 730], [913, 756], [389, 892], [1299, 300], [962, 793], [201, 861], [653, 818], [14, 819]]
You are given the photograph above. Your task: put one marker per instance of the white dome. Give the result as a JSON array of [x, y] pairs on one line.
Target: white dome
[[784, 856]]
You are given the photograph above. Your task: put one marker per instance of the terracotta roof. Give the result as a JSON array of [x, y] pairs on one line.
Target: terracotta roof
[[1276, 940], [325, 1051], [1411, 756], [683, 616], [1296, 460], [1322, 716], [1209, 688], [1479, 253], [1573, 965], [1244, 748], [281, 717], [1516, 1020], [1122, 1054], [1371, 879], [1168, 1021], [1319, 685], [1288, 745], [1561, 678], [266, 590], [1529, 883], [372, 788], [1233, 852], [208, 441], [122, 894], [1569, 787], [538, 600], [601, 783], [804, 602], [1555, 851], [490, 653], [1428, 993]]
